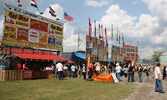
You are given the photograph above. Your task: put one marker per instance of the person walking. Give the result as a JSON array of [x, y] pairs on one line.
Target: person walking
[[147, 74], [84, 71], [118, 71], [158, 78], [69, 70], [60, 69], [73, 70], [130, 69], [140, 69]]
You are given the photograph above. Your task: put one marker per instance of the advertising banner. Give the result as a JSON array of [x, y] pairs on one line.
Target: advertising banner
[[39, 25], [9, 32], [33, 36], [16, 19], [51, 39], [43, 38], [22, 43], [22, 34], [26, 29]]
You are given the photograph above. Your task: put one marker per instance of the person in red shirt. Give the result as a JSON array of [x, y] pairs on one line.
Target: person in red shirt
[[18, 66], [91, 70]]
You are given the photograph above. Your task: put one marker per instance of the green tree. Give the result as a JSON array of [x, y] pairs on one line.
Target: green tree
[[156, 56]]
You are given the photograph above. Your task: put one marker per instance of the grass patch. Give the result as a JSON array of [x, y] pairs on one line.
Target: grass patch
[[70, 89]]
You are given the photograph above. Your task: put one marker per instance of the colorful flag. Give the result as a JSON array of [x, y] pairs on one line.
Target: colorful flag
[[117, 35], [112, 31], [34, 4], [18, 1], [102, 32], [68, 17], [90, 28], [95, 27], [119, 38], [106, 34], [52, 12], [99, 31]]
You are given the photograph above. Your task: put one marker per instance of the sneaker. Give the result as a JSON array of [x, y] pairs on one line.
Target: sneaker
[[162, 92]]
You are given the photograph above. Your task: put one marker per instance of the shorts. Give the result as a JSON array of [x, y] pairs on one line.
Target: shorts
[[125, 74]]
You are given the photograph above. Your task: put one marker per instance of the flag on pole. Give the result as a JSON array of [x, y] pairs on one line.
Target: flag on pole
[[119, 38], [34, 4], [95, 27], [106, 34], [117, 35], [52, 12], [102, 32], [112, 31], [99, 31], [68, 17], [18, 1], [90, 27]]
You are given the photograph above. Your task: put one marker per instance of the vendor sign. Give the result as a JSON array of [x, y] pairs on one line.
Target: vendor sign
[[9, 32], [16, 19], [39, 25], [51, 39], [22, 43], [22, 34], [33, 36], [43, 38]]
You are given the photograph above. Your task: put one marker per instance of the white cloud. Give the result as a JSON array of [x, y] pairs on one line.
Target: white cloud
[[96, 3]]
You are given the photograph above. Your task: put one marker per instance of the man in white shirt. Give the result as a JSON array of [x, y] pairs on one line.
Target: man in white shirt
[[158, 78], [118, 71], [59, 66]]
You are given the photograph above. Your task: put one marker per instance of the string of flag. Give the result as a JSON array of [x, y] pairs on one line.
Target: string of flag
[[51, 10]]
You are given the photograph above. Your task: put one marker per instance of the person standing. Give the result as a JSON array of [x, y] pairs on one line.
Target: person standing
[[118, 71], [140, 69], [130, 69], [126, 72], [69, 70], [84, 71], [133, 73], [91, 69], [147, 73], [60, 69], [73, 70], [164, 72], [158, 78]]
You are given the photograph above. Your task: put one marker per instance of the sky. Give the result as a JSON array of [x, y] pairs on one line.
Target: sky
[[144, 21]]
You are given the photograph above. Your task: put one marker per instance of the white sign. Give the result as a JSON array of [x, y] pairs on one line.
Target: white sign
[[33, 36], [114, 77]]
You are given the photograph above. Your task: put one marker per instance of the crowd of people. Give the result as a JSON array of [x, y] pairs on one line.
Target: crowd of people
[[126, 70]]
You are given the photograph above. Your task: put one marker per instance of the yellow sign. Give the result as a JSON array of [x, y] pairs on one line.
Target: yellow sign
[[43, 38], [9, 32], [33, 44], [57, 30], [59, 48], [9, 41], [51, 47], [42, 45], [22, 43], [16, 19]]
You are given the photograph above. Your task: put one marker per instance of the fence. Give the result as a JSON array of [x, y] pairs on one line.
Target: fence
[[11, 75]]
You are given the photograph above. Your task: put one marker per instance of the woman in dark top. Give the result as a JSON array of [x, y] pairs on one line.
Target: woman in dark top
[[130, 70], [164, 72], [140, 73]]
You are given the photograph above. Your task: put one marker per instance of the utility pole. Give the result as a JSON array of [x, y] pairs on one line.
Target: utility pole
[[78, 40]]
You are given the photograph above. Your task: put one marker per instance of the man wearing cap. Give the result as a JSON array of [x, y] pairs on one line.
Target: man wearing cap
[[158, 78], [118, 71]]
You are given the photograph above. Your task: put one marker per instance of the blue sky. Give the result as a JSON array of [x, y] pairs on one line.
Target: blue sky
[[139, 20]]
